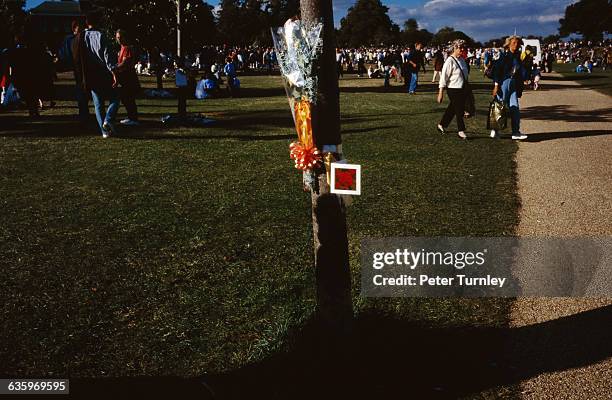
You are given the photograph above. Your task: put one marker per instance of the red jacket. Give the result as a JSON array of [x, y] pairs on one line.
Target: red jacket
[[125, 69]]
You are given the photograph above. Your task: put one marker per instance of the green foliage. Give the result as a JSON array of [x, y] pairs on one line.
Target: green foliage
[[590, 18], [280, 11], [411, 25], [448, 34], [230, 22], [247, 22], [412, 34], [154, 23], [12, 19], [367, 23]]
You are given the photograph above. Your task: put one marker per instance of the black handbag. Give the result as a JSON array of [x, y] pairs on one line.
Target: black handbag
[[470, 101]]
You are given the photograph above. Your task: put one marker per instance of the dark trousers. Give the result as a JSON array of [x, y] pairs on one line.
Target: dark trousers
[[29, 96], [455, 108], [128, 98], [182, 101]]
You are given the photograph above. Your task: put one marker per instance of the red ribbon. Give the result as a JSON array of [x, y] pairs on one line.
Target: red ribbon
[[305, 158]]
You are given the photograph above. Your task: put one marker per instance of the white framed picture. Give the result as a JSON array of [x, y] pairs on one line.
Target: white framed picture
[[345, 178]]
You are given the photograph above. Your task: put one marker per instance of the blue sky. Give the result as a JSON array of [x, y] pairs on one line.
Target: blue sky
[[481, 19]]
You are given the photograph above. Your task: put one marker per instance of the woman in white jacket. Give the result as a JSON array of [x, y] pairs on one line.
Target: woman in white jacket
[[452, 79]]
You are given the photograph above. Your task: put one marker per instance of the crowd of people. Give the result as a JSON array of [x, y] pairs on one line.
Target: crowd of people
[[104, 75], [511, 68]]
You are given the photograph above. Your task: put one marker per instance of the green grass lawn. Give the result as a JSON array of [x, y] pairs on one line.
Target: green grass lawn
[[599, 80], [189, 250]]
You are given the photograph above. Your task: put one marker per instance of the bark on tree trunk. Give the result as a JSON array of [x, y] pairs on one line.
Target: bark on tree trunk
[[333, 278]]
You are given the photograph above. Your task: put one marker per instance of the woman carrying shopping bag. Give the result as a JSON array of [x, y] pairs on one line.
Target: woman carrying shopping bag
[[509, 75]]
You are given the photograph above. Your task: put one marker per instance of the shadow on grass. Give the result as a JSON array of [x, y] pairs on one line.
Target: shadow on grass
[[388, 358], [544, 87], [541, 137], [63, 126], [566, 113], [66, 125], [585, 77], [384, 358], [162, 136], [423, 88]]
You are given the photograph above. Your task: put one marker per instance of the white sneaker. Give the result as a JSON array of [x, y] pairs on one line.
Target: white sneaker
[[519, 136], [108, 128], [462, 135], [440, 129], [129, 122], [493, 133]]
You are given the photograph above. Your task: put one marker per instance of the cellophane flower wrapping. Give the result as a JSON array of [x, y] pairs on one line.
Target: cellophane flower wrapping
[[298, 47]]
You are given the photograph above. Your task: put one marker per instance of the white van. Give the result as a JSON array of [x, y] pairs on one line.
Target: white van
[[535, 44]]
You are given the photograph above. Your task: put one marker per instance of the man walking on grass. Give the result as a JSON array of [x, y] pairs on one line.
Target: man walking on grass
[[94, 62]]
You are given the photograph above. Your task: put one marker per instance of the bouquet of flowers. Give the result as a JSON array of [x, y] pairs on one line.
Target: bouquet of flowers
[[298, 48]]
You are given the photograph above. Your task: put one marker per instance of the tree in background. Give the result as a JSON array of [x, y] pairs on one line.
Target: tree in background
[[448, 34], [230, 22], [412, 34], [590, 18], [279, 11], [248, 22], [12, 20], [154, 23], [256, 28], [367, 23]]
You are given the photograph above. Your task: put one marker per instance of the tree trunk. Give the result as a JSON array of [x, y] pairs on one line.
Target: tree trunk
[[333, 277]]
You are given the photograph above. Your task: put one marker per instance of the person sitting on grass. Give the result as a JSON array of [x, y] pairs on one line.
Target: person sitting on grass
[[373, 73], [207, 87]]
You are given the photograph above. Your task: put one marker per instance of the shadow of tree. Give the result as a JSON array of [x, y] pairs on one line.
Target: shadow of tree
[[387, 358], [61, 126], [566, 113], [384, 358], [584, 77], [541, 137]]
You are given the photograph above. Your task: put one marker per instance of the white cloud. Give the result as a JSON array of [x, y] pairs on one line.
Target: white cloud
[[399, 14], [481, 19], [550, 18]]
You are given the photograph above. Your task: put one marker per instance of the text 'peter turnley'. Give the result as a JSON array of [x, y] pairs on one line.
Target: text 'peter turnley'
[[413, 259]]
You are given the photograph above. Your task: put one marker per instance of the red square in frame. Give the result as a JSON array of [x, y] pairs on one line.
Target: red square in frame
[[345, 178]]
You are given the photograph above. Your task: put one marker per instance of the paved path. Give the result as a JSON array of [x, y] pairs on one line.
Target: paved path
[[565, 185]]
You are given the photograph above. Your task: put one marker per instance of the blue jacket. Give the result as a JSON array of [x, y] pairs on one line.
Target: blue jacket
[[230, 70], [510, 66]]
